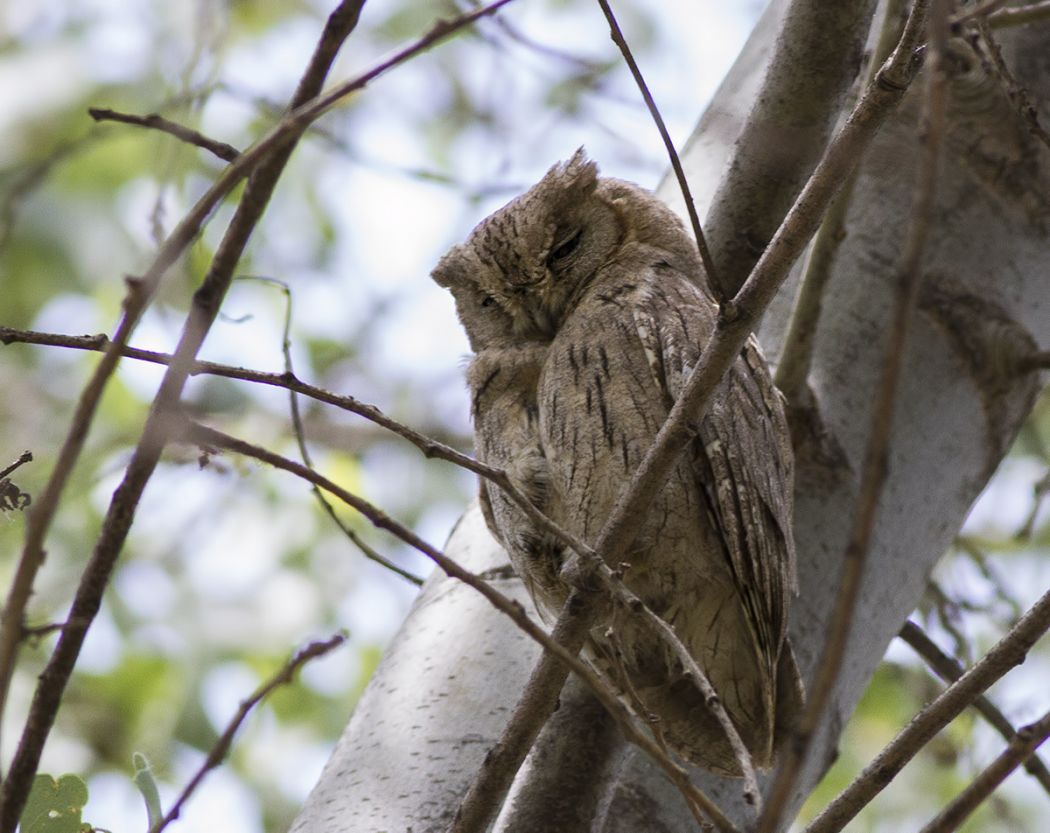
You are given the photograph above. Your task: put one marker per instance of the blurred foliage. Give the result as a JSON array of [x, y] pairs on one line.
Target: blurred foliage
[[229, 566]]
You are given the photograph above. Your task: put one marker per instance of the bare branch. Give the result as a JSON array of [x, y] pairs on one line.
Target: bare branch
[[949, 670], [157, 122], [23, 458], [980, 10], [555, 652], [263, 169], [304, 452], [1021, 748], [221, 749], [676, 163], [1007, 653], [1020, 15]]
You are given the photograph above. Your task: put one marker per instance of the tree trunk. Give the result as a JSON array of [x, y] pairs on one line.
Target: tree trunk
[[443, 691]]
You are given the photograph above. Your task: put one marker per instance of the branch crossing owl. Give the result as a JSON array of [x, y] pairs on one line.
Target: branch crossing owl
[[583, 300]]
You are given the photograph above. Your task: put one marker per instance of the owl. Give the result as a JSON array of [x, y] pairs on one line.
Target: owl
[[584, 301]]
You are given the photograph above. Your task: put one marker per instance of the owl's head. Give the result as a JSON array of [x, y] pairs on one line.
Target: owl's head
[[522, 268]]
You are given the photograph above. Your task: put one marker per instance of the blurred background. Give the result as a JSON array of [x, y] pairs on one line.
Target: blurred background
[[230, 568]]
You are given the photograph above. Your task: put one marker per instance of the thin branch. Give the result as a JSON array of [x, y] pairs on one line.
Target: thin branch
[[949, 670], [1020, 15], [1021, 748], [676, 164], [874, 471], [304, 452], [995, 65], [1034, 361], [980, 10], [797, 353], [430, 448], [221, 749], [1007, 653], [263, 168], [155, 121], [23, 458], [554, 651], [752, 794]]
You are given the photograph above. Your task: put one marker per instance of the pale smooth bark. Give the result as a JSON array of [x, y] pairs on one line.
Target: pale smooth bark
[[442, 693]]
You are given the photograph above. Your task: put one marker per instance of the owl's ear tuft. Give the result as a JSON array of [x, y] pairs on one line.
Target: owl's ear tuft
[[579, 172], [449, 270], [578, 175]]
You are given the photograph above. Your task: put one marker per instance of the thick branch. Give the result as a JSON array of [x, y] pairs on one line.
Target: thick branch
[[815, 62], [875, 465]]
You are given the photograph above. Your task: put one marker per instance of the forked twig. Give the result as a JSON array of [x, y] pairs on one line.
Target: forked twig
[[1021, 748]]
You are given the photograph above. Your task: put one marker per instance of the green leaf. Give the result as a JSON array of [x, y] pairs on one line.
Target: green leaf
[[54, 806]]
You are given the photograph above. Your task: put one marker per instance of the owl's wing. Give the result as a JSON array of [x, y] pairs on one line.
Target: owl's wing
[[742, 453]]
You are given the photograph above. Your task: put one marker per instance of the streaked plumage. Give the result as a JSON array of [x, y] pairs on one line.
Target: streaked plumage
[[598, 288]]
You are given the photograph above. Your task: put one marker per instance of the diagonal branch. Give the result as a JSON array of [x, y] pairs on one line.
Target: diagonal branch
[[676, 163], [949, 670], [1020, 15], [1007, 653], [210, 438], [221, 749], [1021, 748]]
